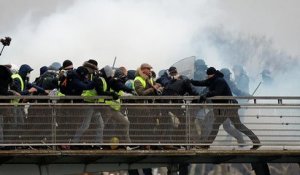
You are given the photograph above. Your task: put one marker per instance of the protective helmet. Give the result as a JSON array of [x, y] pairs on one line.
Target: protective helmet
[[200, 64], [109, 72], [161, 72], [55, 66], [225, 71]]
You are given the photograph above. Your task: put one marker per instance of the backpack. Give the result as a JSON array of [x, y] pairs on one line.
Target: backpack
[[48, 81]]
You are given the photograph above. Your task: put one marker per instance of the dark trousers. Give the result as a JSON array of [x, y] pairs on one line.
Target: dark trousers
[[220, 115]]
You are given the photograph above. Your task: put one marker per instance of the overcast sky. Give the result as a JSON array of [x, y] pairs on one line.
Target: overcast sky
[[159, 32]]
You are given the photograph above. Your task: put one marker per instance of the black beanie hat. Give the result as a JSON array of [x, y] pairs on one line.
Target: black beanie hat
[[67, 63], [211, 71]]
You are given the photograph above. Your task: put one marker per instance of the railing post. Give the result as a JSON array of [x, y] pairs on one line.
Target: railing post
[[188, 122], [54, 124]]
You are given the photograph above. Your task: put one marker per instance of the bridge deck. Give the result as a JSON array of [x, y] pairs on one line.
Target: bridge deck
[[147, 156]]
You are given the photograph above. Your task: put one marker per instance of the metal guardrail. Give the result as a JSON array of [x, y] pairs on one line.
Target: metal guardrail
[[153, 120]]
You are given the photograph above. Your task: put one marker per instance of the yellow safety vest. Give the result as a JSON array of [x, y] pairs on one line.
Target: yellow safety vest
[[93, 92], [114, 104], [143, 81], [89, 93], [101, 100], [17, 76], [60, 94]]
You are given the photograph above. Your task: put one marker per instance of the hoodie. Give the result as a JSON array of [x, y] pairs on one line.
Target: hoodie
[[24, 70], [16, 85]]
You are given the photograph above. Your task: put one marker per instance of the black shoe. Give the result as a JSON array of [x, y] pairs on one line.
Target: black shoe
[[255, 147], [203, 147]]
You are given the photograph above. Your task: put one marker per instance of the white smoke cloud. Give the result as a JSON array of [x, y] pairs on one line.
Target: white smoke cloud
[[159, 32], [275, 19]]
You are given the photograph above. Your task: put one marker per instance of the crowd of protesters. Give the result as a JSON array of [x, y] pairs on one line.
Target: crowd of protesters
[[89, 80]]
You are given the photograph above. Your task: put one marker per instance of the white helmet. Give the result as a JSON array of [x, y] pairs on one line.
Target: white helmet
[[14, 68]]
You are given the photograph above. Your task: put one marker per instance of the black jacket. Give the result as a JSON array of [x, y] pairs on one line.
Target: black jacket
[[119, 85], [5, 78], [217, 86], [75, 85], [165, 79], [179, 87]]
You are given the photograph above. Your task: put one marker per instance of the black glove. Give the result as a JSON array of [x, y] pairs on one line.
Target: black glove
[[97, 81], [115, 96], [202, 98]]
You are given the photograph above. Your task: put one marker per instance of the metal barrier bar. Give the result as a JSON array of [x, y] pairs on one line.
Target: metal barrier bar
[[275, 121]]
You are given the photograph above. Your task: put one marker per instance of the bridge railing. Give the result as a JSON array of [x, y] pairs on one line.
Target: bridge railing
[[50, 121]]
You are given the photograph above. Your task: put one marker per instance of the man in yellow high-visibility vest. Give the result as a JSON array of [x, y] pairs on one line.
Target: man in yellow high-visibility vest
[[22, 85], [113, 111], [143, 82], [92, 112]]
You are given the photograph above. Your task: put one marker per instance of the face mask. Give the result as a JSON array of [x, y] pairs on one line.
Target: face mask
[[27, 77]]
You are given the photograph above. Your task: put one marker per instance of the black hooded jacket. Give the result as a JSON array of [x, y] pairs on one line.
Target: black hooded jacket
[[76, 84], [5, 78], [217, 86], [16, 84]]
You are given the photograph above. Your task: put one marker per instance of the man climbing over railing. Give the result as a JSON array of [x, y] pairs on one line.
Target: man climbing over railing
[[93, 113], [218, 87]]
